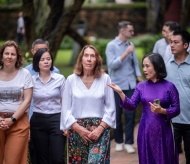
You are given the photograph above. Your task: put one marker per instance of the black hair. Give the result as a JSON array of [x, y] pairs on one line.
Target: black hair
[[185, 36], [158, 64], [37, 57], [173, 26]]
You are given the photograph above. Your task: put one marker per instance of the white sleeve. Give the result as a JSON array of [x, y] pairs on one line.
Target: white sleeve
[[110, 110], [28, 79], [67, 119]]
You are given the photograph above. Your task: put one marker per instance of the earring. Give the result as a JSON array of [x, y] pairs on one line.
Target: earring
[[17, 63], [1, 62]]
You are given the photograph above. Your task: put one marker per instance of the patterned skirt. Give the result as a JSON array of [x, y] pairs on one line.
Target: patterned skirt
[[96, 152]]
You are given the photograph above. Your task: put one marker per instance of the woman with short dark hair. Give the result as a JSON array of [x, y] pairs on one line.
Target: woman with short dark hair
[[160, 102], [48, 139]]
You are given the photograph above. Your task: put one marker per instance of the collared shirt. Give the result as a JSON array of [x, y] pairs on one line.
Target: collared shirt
[[47, 96], [160, 47], [168, 52], [179, 74], [81, 102], [32, 72], [123, 73]]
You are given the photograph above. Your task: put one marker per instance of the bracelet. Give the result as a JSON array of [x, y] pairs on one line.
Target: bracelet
[[102, 127]]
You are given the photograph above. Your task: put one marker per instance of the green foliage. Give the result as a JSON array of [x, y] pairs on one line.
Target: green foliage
[[10, 1], [62, 62], [101, 44], [67, 43], [104, 5], [146, 42]]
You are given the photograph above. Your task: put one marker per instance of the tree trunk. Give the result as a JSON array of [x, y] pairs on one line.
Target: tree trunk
[[56, 36], [153, 8], [42, 11], [54, 16], [29, 21], [185, 12], [78, 38], [57, 24]]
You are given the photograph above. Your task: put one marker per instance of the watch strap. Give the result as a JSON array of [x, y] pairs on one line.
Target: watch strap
[[13, 119]]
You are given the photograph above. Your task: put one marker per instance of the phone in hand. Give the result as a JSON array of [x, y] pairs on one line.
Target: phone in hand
[[157, 101]]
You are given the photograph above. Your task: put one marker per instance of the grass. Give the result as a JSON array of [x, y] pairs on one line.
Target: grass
[[62, 62], [63, 58]]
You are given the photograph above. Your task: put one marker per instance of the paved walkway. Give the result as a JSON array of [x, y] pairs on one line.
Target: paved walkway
[[124, 158]]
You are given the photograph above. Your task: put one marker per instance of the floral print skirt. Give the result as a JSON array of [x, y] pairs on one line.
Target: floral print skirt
[[96, 152]]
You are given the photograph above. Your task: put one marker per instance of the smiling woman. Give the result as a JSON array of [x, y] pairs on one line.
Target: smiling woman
[[15, 96]]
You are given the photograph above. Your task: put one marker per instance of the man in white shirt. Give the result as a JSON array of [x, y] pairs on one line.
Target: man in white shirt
[[161, 45]]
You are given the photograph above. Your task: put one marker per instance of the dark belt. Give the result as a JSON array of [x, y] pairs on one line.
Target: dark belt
[[45, 115], [6, 114]]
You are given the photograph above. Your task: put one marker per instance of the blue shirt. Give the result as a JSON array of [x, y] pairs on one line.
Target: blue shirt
[[179, 74], [160, 47], [123, 73], [32, 72]]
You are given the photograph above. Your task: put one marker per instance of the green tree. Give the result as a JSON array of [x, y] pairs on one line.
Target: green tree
[[52, 26]]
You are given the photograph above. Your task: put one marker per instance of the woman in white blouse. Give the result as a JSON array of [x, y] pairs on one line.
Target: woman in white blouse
[[88, 110], [49, 141]]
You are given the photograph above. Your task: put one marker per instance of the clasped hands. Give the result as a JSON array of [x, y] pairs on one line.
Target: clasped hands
[[5, 123], [88, 134], [92, 134]]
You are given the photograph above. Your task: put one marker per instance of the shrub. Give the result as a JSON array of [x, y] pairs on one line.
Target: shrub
[[67, 43], [146, 42], [101, 44]]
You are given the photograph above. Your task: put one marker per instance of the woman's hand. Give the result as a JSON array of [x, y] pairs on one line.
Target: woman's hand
[[96, 133], [3, 123], [117, 89], [83, 132], [65, 133], [156, 108]]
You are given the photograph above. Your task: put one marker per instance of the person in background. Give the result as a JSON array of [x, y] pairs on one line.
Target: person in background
[[161, 46], [48, 139], [15, 96], [123, 68], [160, 102], [178, 72], [88, 110], [36, 45], [20, 28]]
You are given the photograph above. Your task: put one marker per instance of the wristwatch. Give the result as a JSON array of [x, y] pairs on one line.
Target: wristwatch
[[13, 119]]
